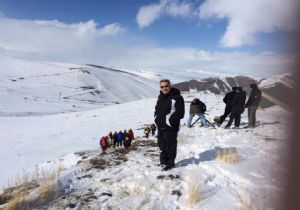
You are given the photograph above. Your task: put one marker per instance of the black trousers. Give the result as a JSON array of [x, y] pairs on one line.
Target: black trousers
[[236, 118], [167, 142], [226, 113]]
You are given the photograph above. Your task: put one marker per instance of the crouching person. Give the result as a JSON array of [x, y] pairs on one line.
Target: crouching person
[[197, 108]]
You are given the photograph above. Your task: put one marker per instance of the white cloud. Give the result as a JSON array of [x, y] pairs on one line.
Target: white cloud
[[111, 30], [38, 36], [150, 13], [181, 59], [247, 18], [86, 43], [182, 9]]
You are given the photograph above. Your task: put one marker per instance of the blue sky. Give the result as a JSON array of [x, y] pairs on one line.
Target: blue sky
[[216, 28]]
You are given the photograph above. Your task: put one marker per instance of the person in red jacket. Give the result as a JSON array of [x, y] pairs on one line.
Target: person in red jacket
[[104, 143]]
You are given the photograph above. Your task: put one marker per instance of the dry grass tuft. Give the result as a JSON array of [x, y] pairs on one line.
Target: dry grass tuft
[[46, 190], [136, 190], [17, 202], [32, 191], [245, 202], [122, 192], [144, 143], [228, 155], [194, 194]]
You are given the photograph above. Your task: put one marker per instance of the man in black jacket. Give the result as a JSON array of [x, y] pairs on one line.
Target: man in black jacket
[[169, 110], [252, 105], [227, 100], [237, 107]]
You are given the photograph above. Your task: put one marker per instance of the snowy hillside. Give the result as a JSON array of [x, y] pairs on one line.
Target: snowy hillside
[[202, 178], [216, 85], [219, 84], [35, 88], [285, 79], [178, 76]]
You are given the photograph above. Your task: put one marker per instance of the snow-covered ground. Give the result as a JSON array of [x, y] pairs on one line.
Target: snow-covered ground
[[55, 112], [254, 180]]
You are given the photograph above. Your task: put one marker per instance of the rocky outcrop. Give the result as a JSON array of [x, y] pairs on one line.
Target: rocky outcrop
[[215, 84]]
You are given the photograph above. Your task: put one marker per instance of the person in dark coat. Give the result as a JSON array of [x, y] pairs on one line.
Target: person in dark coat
[[237, 108], [227, 99], [130, 134], [110, 139], [252, 104], [198, 108], [146, 131], [121, 138], [153, 129], [115, 139], [127, 142], [169, 110]]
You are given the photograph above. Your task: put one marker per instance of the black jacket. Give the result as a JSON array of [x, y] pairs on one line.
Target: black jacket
[[238, 103], [254, 98], [169, 110], [229, 97], [197, 107]]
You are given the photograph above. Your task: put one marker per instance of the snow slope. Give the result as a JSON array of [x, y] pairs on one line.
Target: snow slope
[[286, 79], [36, 87], [31, 141]]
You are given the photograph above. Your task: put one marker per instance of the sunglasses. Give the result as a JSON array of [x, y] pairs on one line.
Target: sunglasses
[[166, 86]]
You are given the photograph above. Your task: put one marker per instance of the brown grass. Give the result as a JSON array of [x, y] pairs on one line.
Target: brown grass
[[246, 203], [31, 191], [228, 155], [194, 194], [144, 143], [17, 202]]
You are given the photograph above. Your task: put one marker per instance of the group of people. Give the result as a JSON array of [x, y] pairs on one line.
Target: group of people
[[169, 110], [117, 139], [235, 102], [151, 129]]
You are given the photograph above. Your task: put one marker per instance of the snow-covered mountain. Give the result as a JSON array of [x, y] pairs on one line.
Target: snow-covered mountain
[[216, 85], [279, 87], [221, 85], [34, 87], [31, 87], [286, 79]]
